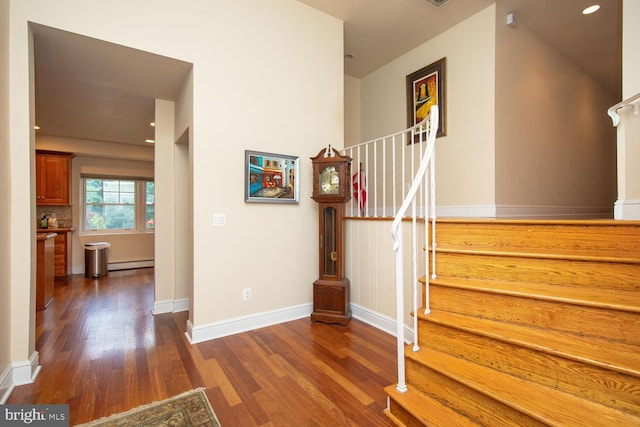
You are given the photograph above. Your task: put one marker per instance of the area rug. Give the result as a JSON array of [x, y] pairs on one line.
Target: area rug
[[190, 409]]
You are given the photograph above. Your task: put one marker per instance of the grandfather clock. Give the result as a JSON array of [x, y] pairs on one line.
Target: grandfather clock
[[331, 189]]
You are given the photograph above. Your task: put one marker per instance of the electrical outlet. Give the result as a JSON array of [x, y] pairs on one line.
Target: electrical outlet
[[246, 294]]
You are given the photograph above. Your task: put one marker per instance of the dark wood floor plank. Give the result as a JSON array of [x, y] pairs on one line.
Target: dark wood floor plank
[[102, 352]]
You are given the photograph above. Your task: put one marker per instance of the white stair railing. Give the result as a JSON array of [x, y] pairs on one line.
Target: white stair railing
[[388, 174], [630, 102], [426, 130], [383, 169]]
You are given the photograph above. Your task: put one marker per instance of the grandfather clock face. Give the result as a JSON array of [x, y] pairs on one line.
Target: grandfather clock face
[[329, 180], [331, 177]]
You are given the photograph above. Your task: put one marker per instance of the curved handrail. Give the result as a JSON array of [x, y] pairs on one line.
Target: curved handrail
[[613, 111], [431, 123], [432, 127]]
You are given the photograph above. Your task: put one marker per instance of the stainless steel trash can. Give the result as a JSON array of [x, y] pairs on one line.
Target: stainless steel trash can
[[96, 257]]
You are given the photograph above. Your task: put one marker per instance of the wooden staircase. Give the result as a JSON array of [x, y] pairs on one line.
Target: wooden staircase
[[532, 323]]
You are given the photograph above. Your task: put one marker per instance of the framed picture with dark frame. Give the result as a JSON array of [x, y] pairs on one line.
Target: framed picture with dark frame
[[426, 87], [271, 178]]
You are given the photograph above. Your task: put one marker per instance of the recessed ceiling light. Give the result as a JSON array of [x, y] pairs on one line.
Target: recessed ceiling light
[[150, 141], [152, 123], [436, 3], [36, 127], [591, 9]]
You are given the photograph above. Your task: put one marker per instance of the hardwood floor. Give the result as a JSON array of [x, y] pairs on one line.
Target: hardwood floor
[[102, 352]]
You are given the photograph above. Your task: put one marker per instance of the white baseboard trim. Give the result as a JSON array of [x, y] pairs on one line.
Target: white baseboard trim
[[525, 211], [170, 306], [114, 266], [453, 211], [558, 212], [380, 321], [128, 265], [25, 372], [6, 385], [627, 209], [181, 304], [236, 325], [466, 211], [260, 320], [19, 373]]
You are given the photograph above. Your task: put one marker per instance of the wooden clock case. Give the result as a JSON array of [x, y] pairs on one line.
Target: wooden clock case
[[331, 292]]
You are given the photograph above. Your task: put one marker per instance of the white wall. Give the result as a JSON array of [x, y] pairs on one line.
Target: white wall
[[372, 271], [465, 165], [628, 132], [352, 111], [182, 212], [265, 72], [21, 204], [630, 51], [555, 146], [5, 192], [526, 130], [290, 57], [184, 196], [165, 242]]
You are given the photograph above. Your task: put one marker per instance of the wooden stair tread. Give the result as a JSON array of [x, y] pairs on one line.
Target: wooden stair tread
[[618, 299], [572, 238], [426, 409], [545, 404], [566, 254], [618, 357], [530, 221]]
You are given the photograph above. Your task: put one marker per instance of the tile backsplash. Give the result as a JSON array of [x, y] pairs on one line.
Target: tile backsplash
[[62, 213]]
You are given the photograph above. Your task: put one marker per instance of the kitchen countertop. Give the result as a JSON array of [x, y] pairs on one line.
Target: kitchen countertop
[[56, 230]]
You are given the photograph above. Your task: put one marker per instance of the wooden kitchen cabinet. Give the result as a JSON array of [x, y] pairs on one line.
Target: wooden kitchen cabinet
[[53, 180], [44, 269], [62, 265], [62, 255]]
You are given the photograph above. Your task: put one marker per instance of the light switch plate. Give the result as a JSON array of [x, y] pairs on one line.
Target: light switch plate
[[219, 220]]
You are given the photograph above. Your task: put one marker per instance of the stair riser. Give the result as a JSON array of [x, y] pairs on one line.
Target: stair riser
[[597, 275], [611, 325], [620, 238], [590, 382], [476, 406], [401, 415], [414, 408]]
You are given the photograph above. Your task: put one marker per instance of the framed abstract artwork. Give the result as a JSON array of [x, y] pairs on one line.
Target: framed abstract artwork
[[270, 178]]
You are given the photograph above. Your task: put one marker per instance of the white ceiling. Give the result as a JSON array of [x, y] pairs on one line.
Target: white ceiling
[[91, 89]]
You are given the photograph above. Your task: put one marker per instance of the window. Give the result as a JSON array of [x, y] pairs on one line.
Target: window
[[118, 205], [150, 205]]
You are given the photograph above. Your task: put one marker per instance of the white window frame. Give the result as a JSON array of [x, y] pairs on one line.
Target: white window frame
[[140, 207]]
